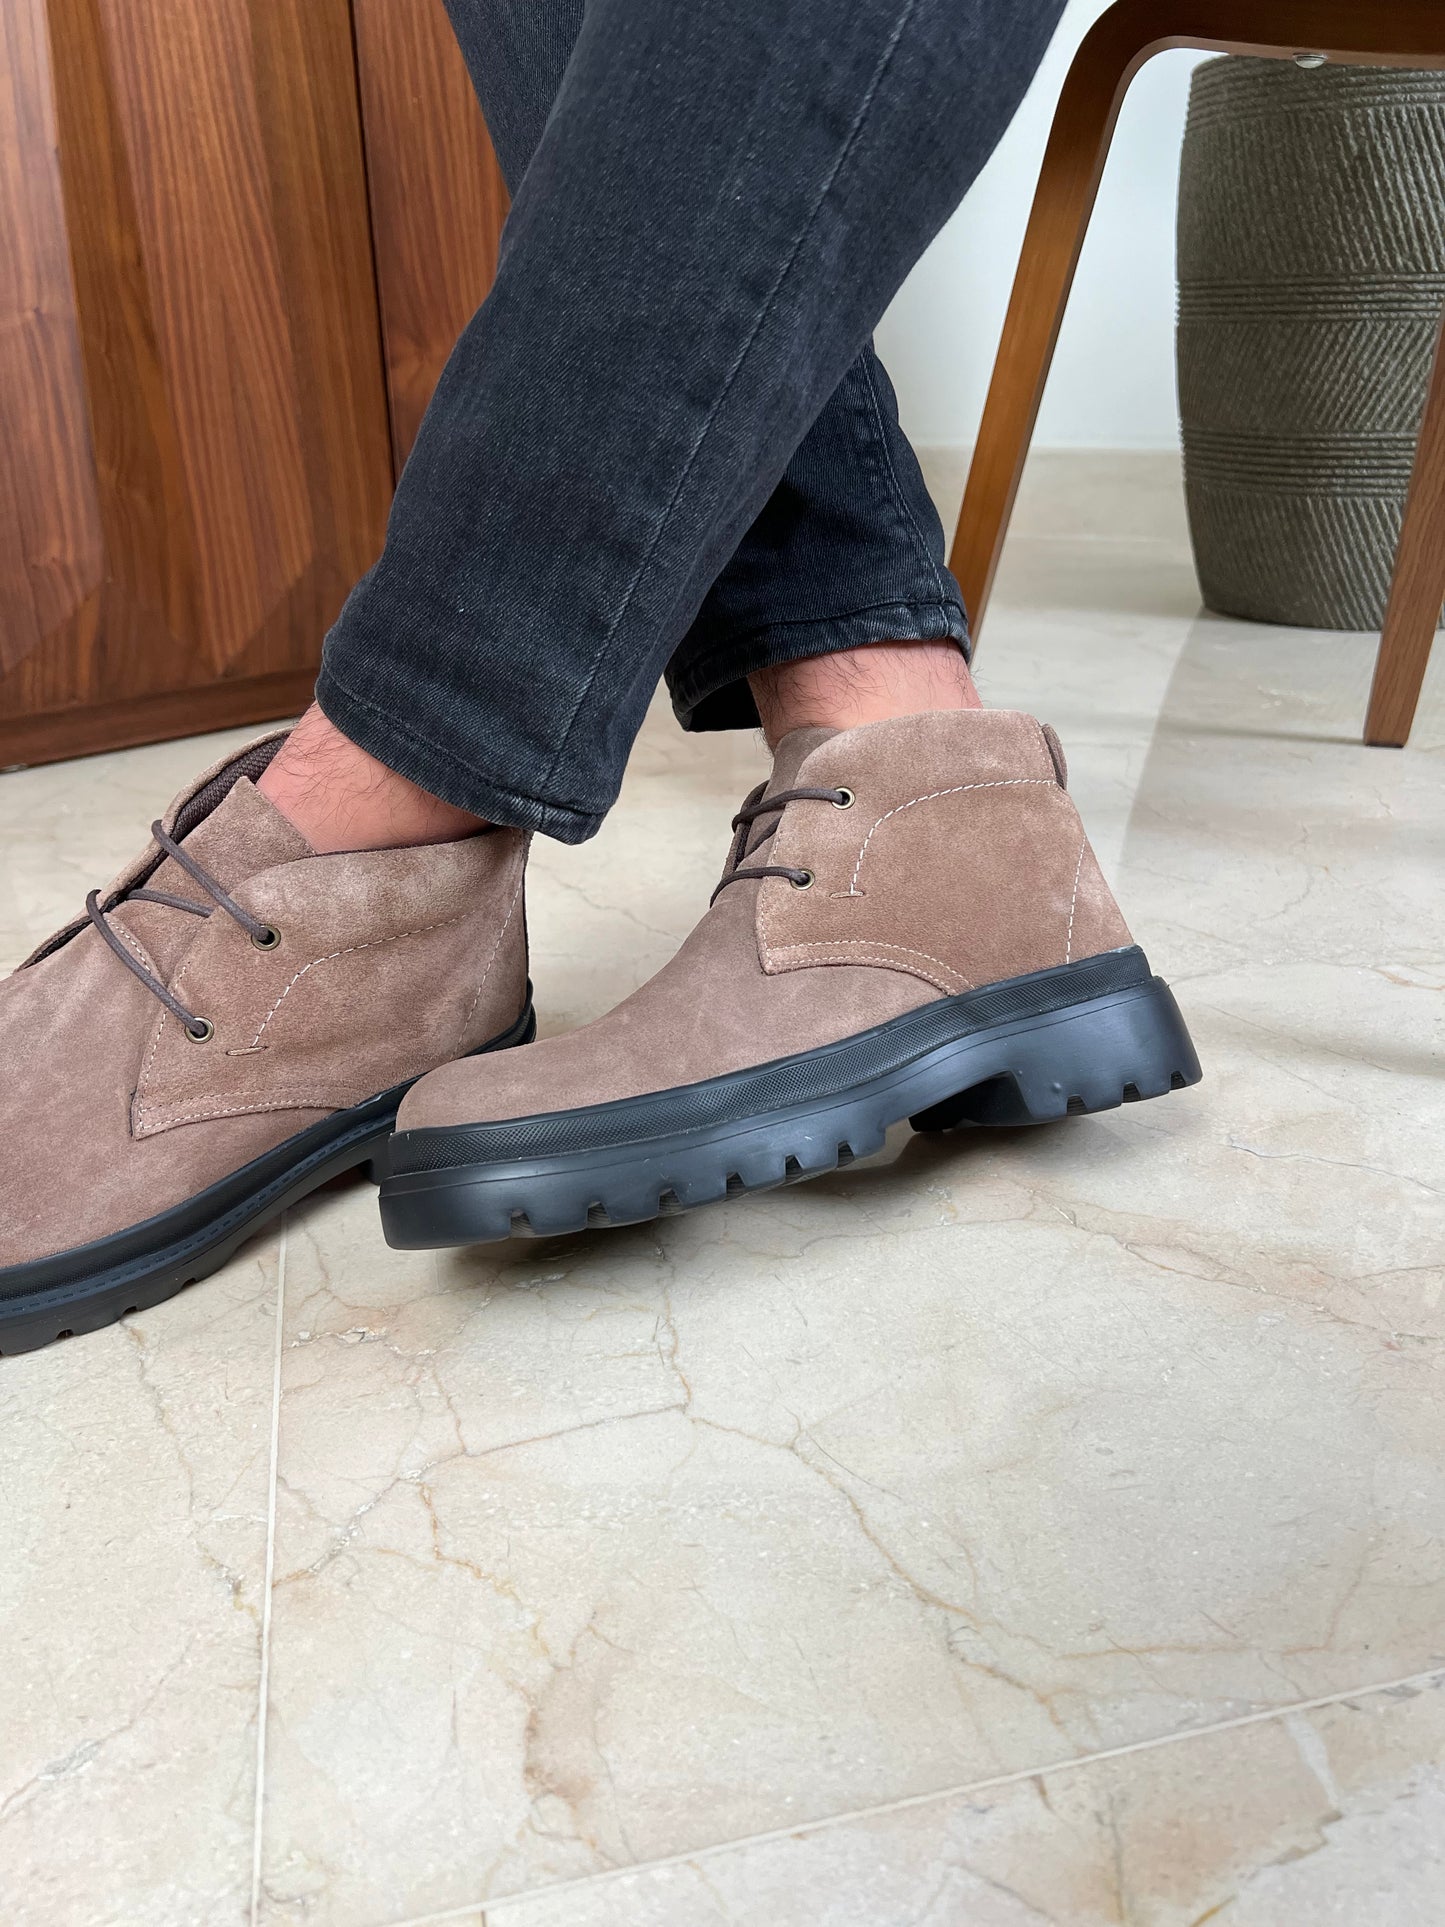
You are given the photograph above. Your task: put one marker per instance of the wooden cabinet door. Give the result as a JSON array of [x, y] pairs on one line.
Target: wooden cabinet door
[[195, 458], [438, 200]]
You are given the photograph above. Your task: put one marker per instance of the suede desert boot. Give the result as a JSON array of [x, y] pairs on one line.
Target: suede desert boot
[[233, 1022], [911, 923]]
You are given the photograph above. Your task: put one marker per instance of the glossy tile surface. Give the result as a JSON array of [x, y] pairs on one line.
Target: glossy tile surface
[[1334, 1815], [1053, 1455], [134, 1500]]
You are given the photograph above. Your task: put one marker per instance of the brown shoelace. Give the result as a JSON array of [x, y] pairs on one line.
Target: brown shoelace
[[198, 1029], [756, 805]]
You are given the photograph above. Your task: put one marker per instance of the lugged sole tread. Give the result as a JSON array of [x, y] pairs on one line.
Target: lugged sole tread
[[1125, 1047], [146, 1264]]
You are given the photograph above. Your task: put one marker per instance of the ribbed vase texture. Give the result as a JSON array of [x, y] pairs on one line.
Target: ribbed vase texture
[[1311, 283]]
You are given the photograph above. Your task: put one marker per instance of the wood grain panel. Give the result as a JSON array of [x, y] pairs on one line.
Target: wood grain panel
[[152, 719], [1418, 591], [193, 418], [50, 534], [438, 200]]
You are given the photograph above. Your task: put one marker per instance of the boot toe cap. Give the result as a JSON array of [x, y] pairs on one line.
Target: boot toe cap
[[473, 1090]]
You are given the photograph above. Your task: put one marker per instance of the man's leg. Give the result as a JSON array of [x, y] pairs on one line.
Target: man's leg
[[716, 212], [847, 552], [843, 566], [910, 922]]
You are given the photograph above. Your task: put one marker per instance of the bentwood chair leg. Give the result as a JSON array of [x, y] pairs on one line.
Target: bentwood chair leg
[[1068, 184], [1418, 592], [1387, 33]]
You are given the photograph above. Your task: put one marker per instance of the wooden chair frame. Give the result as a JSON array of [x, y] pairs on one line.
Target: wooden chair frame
[[1361, 33]]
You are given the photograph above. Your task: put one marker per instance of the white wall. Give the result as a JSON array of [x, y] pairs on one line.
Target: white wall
[[1113, 378]]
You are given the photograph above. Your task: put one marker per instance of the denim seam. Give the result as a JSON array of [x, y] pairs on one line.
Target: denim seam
[[900, 498], [394, 722], [717, 655], [851, 141]]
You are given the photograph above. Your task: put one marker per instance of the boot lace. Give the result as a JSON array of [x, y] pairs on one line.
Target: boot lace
[[263, 935], [755, 805]]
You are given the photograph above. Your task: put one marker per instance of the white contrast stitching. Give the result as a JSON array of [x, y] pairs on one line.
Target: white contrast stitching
[[145, 1069], [900, 500], [288, 1101], [1006, 783], [145, 1072], [1073, 900], [511, 907], [870, 943], [139, 948], [142, 1108], [350, 951]]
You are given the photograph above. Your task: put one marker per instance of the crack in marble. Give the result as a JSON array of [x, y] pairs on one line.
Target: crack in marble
[[344, 1535], [497, 1911], [1339, 1164], [993, 1884], [614, 907], [1328, 1355], [919, 1589], [1212, 1271], [234, 1582], [84, 1755]]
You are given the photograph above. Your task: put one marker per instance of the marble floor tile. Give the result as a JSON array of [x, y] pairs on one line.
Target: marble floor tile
[[1330, 1818], [992, 1454], [134, 1488]]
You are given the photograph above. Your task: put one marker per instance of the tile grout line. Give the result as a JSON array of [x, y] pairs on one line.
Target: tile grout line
[[264, 1690], [483, 1911]]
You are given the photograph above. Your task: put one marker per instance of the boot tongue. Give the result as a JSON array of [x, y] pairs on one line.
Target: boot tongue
[[791, 754], [788, 759], [242, 835]]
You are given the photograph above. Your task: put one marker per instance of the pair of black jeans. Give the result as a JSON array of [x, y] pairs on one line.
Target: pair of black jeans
[[664, 442]]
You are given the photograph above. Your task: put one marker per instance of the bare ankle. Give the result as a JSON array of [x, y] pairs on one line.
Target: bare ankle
[[865, 685], [341, 798]]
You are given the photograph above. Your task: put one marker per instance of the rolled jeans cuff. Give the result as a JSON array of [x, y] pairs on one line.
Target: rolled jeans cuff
[[383, 733], [709, 687]]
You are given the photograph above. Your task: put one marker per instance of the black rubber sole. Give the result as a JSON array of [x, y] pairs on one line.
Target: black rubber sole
[[91, 1285], [1057, 1043]]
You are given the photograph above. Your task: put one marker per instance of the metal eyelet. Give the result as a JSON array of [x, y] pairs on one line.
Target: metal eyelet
[[267, 937], [200, 1030], [803, 880], [844, 800]]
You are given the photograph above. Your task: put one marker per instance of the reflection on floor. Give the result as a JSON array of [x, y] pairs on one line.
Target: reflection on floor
[[1015, 1528]]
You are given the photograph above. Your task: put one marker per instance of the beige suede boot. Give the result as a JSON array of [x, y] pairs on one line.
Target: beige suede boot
[[911, 924], [233, 1022]]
